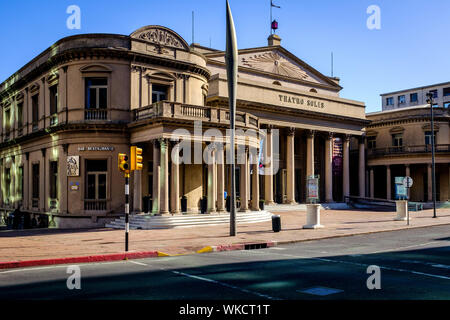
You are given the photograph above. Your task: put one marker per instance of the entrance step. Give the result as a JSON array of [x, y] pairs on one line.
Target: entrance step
[[146, 222]]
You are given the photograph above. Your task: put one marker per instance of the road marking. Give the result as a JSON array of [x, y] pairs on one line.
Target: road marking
[[366, 265], [433, 264], [277, 248], [407, 247], [320, 291], [224, 285], [138, 263]]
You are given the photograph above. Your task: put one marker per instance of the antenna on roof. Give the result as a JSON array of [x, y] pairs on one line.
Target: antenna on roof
[[332, 64], [193, 19]]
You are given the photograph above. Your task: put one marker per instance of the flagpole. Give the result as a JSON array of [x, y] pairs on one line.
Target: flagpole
[[231, 59], [270, 23]]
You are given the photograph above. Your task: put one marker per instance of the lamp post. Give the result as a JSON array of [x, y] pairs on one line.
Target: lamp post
[[433, 166]]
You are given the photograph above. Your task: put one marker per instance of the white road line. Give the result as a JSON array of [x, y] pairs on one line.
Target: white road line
[[366, 265], [225, 285], [58, 266], [407, 247], [138, 263]]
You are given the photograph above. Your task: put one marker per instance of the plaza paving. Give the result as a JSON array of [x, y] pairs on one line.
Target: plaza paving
[[51, 243]]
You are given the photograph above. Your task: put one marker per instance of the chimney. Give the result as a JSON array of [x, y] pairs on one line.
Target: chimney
[[274, 40]]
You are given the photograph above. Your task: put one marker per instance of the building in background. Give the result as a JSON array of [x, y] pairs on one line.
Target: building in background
[[417, 97], [398, 144]]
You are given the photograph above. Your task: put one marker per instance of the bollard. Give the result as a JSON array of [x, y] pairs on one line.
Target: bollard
[[312, 217], [276, 223], [401, 209]]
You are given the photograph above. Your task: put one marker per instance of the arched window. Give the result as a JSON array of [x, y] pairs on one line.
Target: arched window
[[277, 83], [313, 90]]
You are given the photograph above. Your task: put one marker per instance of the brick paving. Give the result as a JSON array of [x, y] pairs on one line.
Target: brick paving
[[35, 244]]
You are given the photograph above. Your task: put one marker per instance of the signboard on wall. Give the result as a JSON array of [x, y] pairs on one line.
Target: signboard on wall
[[73, 166]]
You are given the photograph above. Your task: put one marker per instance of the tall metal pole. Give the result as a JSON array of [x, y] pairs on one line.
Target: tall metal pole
[[231, 59], [433, 169], [127, 208], [271, 30]]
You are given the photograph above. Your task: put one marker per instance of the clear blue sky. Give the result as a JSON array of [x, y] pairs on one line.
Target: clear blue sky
[[411, 49]]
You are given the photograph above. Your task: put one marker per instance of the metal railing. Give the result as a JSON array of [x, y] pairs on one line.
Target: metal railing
[[96, 114], [407, 149], [94, 205]]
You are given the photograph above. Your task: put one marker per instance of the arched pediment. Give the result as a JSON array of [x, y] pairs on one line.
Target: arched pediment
[[397, 130], [95, 68], [162, 36]]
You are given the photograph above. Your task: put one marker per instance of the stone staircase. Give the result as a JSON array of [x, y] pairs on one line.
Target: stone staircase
[[146, 222]]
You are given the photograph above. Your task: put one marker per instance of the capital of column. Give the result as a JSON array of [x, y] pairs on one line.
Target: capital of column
[[291, 131], [346, 137], [329, 135], [362, 139], [310, 133], [269, 128]]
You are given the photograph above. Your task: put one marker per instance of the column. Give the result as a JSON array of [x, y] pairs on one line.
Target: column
[[329, 168], [407, 170], [372, 184], [430, 183], [346, 164], [244, 182], [220, 179], [212, 192], [137, 191], [156, 177], [362, 167], [310, 153], [175, 180], [268, 177], [255, 187], [164, 177], [388, 182], [290, 166]]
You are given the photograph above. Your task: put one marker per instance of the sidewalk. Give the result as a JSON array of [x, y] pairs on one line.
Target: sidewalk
[[51, 243]]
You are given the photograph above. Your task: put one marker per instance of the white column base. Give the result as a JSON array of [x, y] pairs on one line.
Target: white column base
[[402, 210], [313, 217]]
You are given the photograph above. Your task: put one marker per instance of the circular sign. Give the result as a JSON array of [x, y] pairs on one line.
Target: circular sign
[[408, 182]]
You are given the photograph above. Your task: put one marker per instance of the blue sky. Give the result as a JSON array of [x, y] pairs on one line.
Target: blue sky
[[411, 49]]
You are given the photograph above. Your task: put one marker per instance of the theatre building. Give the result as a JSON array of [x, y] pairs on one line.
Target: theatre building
[[67, 114]]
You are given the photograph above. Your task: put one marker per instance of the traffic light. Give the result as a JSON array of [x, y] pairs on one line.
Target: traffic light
[[123, 163], [136, 158]]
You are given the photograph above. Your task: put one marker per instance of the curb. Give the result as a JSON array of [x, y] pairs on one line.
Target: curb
[[85, 259]]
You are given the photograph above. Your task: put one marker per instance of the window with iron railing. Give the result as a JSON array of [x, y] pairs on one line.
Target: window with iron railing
[[53, 104], [35, 111], [397, 140], [20, 118], [96, 98], [428, 138]]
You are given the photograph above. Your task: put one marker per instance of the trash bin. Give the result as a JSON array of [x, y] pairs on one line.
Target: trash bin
[[183, 204], [276, 223], [228, 203]]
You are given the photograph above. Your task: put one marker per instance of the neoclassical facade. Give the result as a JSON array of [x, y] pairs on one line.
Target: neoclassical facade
[[67, 114], [399, 144]]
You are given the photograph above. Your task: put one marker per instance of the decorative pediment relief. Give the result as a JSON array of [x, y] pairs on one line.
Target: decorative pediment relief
[[95, 68], [397, 130], [34, 87], [371, 133], [427, 127], [274, 62], [161, 36]]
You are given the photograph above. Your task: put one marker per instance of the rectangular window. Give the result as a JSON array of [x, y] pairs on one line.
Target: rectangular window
[[371, 142], [435, 93], [7, 121], [402, 99], [413, 97], [35, 172], [397, 140], [35, 110], [390, 101], [96, 177], [428, 137], [20, 191], [446, 92], [20, 115], [7, 185], [53, 179], [53, 99], [159, 92], [96, 93]]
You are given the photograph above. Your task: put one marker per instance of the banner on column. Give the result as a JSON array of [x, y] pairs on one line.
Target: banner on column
[[312, 189]]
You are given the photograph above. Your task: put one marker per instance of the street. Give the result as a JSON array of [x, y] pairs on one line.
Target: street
[[414, 264]]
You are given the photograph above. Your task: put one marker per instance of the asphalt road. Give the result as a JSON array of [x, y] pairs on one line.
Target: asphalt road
[[414, 264]]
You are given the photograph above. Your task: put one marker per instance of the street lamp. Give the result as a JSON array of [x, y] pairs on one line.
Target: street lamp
[[433, 174]]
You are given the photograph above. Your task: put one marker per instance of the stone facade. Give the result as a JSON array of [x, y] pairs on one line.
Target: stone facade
[[69, 112]]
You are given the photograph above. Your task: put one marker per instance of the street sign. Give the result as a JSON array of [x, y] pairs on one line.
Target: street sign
[[407, 182]]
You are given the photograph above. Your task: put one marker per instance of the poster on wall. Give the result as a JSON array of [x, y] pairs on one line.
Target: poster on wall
[[313, 188], [73, 166]]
